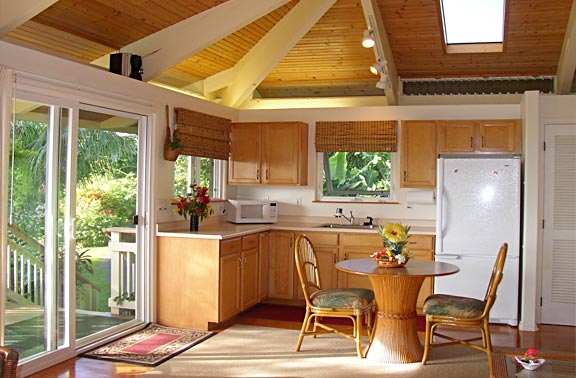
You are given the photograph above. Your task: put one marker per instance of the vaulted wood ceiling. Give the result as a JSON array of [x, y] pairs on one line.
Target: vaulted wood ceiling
[[231, 51]]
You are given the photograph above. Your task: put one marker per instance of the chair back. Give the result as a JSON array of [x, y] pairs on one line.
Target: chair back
[[495, 279], [307, 267]]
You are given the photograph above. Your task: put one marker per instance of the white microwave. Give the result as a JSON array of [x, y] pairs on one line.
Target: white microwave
[[246, 211]]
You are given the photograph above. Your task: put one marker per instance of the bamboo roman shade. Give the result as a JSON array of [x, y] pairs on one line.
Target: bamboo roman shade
[[356, 136], [202, 134]]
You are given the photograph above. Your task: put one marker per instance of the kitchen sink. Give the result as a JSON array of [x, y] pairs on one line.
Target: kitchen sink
[[348, 226]]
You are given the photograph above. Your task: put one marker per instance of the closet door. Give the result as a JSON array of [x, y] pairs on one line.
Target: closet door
[[559, 249]]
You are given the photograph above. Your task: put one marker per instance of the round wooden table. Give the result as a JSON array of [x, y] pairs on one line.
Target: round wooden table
[[395, 338]]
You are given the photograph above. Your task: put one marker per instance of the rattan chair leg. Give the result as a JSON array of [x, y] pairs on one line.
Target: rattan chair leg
[[427, 341], [303, 331]]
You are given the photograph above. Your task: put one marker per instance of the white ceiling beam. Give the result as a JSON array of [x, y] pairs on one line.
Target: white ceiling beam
[[567, 62], [382, 48], [261, 59], [14, 13], [168, 47]]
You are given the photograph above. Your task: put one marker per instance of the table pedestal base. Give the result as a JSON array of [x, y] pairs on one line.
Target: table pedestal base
[[392, 343], [395, 337]]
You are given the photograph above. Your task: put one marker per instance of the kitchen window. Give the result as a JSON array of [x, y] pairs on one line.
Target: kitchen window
[[201, 171], [346, 172], [356, 175]]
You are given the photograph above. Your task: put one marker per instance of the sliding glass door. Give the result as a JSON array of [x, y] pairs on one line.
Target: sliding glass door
[[73, 266]]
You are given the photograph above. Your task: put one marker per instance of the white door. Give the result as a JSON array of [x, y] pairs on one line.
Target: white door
[[559, 241]]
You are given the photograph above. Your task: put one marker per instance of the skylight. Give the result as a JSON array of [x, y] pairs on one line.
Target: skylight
[[473, 21]]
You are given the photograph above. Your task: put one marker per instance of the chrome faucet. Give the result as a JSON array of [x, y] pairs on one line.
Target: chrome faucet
[[339, 214]]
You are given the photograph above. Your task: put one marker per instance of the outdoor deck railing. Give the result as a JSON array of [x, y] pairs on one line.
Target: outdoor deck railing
[[25, 275]]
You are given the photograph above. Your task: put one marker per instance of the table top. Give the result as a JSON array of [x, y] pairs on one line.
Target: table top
[[413, 268]]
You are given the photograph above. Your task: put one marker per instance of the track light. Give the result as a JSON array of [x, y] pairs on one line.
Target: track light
[[383, 82], [368, 40], [377, 68]]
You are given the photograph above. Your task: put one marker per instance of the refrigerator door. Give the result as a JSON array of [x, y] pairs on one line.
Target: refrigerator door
[[478, 206], [472, 281]]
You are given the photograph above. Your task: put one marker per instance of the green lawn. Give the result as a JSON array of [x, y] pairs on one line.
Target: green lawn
[[100, 257]]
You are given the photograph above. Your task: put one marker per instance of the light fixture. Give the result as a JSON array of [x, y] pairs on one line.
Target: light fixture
[[377, 68], [383, 82], [368, 40]]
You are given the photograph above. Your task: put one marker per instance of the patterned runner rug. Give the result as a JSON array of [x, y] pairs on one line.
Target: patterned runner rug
[[149, 346]]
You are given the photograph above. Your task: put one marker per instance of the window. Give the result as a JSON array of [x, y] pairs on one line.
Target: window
[[356, 174], [473, 25], [202, 171]]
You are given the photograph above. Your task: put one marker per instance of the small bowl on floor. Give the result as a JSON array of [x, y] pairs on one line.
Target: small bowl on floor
[[530, 365]]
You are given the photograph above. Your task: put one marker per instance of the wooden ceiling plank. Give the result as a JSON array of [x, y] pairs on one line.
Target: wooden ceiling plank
[[567, 63], [14, 13], [168, 47], [253, 68], [374, 21]]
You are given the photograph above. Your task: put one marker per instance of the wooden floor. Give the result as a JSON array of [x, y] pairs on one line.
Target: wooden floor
[[557, 338]]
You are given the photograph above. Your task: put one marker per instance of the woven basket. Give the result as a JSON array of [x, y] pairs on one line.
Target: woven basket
[[392, 263]]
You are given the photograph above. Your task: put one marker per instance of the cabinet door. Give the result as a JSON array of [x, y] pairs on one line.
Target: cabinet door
[[283, 154], [245, 156], [229, 285], [455, 136], [250, 295], [422, 246], [358, 246], [418, 154], [499, 136], [263, 248], [281, 265]]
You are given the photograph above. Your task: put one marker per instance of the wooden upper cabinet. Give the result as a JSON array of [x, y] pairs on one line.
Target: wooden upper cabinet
[[455, 136], [244, 165], [271, 153], [500, 136], [491, 136], [418, 154]]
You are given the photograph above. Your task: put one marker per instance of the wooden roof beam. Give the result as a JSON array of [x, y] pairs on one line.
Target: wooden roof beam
[[168, 47], [261, 59], [382, 48], [14, 13], [567, 63]]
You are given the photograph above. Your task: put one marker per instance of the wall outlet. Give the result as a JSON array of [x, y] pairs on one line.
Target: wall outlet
[[298, 200], [163, 205]]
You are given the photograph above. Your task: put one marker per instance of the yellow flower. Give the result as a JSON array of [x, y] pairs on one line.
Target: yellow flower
[[395, 232]]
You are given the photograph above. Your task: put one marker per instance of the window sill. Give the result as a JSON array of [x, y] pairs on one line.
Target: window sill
[[359, 202]]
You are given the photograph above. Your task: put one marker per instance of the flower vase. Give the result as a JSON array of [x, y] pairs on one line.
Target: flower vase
[[194, 221]]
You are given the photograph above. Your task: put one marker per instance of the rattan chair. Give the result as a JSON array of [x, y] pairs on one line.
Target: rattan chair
[[9, 362], [449, 310], [354, 304]]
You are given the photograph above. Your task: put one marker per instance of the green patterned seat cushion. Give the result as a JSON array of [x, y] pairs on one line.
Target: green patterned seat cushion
[[342, 298], [450, 305]]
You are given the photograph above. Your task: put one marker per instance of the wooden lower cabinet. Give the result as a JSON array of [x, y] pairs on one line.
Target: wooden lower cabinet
[[281, 267], [203, 281], [263, 247], [422, 246]]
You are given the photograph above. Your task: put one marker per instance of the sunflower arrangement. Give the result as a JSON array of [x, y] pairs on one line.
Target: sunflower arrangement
[[395, 237]]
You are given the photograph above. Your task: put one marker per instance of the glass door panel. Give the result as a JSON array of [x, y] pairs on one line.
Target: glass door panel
[[35, 318], [106, 253]]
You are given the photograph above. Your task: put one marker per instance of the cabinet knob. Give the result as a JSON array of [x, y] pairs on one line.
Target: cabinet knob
[[257, 174], [239, 263]]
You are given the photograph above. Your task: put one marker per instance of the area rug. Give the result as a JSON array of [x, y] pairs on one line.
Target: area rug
[[250, 351], [149, 346]]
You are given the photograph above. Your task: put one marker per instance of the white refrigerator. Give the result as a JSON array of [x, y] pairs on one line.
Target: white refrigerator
[[478, 209]]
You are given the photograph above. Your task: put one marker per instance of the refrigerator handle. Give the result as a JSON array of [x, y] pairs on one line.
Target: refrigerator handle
[[439, 203]]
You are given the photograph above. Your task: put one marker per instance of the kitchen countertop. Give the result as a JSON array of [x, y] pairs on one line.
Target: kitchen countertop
[[229, 230]]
